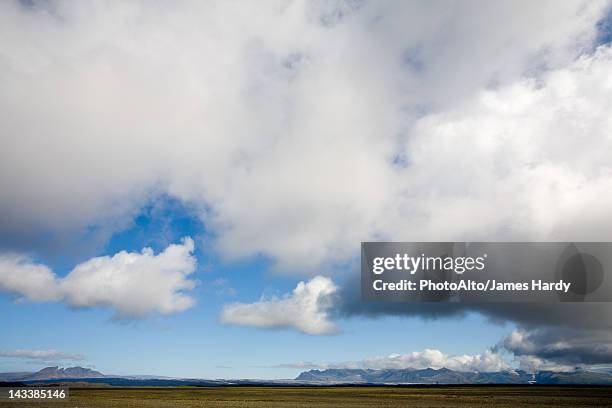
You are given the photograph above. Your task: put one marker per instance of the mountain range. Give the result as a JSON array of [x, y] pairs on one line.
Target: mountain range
[[323, 377], [446, 376], [52, 373]]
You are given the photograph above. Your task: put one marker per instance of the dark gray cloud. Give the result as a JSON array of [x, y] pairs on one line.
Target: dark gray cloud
[[563, 345], [565, 333]]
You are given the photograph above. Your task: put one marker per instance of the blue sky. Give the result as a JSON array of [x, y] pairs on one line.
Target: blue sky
[[253, 147], [195, 343]]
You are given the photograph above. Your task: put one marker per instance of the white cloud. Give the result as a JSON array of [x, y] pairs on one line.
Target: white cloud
[[45, 355], [283, 125], [133, 284], [428, 358], [305, 309], [21, 276], [487, 361], [222, 287], [525, 161]]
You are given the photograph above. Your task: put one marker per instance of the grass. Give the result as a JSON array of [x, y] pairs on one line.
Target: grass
[[337, 397]]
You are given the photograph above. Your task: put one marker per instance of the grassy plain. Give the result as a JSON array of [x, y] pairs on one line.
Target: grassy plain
[[336, 397]]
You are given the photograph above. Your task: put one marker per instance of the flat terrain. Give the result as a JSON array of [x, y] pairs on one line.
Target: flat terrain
[[337, 397]]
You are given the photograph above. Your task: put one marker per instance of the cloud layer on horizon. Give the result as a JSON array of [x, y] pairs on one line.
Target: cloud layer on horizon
[[41, 355], [488, 361]]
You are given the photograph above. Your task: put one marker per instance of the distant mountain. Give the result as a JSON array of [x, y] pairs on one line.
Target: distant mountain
[[15, 376], [51, 373], [70, 372], [320, 377], [575, 377], [446, 376]]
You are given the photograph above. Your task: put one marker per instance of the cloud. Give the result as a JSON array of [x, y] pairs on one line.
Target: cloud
[[564, 347], [133, 284], [21, 276], [521, 162], [222, 287], [533, 364], [305, 309], [293, 142], [535, 356], [44, 355], [564, 335], [488, 361]]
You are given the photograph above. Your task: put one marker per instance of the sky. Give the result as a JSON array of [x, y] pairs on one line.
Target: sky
[[185, 185]]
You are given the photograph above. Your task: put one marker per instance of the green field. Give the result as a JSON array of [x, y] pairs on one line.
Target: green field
[[246, 397]]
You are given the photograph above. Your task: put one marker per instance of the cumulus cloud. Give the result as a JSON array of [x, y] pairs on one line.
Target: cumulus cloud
[[533, 157], [488, 361], [304, 309], [21, 276], [44, 355], [133, 284], [293, 141], [513, 163]]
